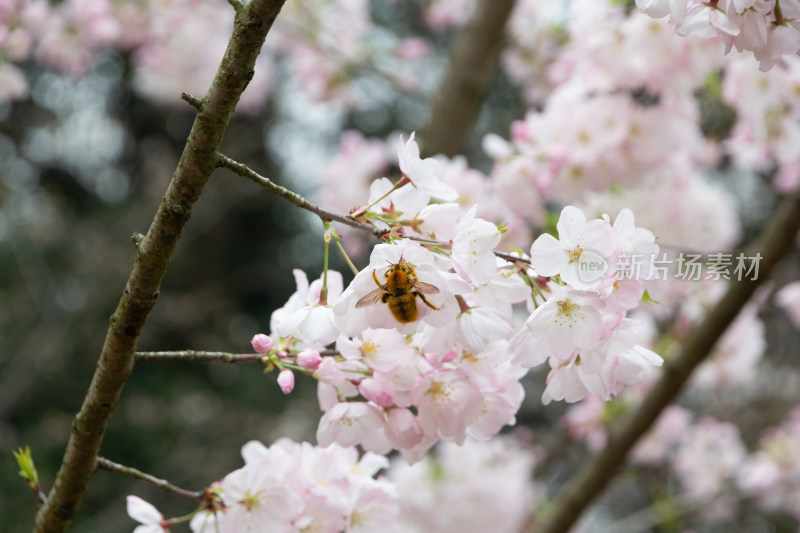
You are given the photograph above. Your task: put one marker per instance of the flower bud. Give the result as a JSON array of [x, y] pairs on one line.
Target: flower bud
[[286, 381], [379, 392], [309, 359], [262, 343]]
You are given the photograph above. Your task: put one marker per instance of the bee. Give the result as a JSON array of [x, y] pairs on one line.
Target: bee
[[400, 292]]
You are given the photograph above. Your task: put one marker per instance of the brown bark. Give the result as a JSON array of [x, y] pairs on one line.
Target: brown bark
[[153, 254], [472, 64]]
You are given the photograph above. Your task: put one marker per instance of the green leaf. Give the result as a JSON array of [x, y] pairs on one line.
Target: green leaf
[[27, 469], [649, 299]]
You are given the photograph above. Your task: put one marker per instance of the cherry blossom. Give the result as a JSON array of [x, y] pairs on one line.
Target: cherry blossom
[[581, 253], [306, 317], [440, 492], [473, 248], [424, 174], [788, 297], [350, 423], [293, 486], [146, 514], [706, 461]]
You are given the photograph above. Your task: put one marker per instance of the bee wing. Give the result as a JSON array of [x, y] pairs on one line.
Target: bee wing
[[371, 298], [426, 288]]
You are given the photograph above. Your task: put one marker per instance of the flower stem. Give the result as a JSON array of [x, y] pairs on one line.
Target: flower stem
[[104, 464], [336, 239], [323, 294], [400, 183]]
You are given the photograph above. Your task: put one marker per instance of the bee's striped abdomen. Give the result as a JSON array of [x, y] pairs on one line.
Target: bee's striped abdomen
[[404, 307]]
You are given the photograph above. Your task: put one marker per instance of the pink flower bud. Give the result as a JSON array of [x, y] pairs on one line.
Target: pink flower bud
[[379, 392], [309, 359], [286, 381], [403, 428], [262, 343]]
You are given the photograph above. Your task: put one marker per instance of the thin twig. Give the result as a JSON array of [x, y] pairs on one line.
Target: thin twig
[[775, 242], [245, 171], [111, 466], [40, 495], [199, 357], [196, 356], [193, 101]]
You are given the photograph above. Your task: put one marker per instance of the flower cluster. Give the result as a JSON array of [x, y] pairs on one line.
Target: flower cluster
[[582, 326], [172, 53], [767, 110], [292, 487], [772, 475], [440, 493], [768, 28], [425, 342]]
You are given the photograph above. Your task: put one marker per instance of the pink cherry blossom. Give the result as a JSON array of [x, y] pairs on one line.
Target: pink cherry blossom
[[478, 326], [378, 390], [788, 298], [350, 423], [373, 509], [305, 316], [706, 461], [478, 487], [382, 350], [580, 255], [256, 499], [146, 514], [448, 401], [424, 174], [655, 446], [567, 321], [473, 248], [403, 429]]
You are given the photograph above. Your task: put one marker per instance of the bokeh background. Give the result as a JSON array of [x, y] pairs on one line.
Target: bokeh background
[[85, 156]]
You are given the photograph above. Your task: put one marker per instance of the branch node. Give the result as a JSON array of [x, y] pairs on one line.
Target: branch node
[[237, 4], [193, 101], [137, 239]]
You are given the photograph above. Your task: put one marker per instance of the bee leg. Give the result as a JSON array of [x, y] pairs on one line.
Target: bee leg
[[422, 296], [378, 283]]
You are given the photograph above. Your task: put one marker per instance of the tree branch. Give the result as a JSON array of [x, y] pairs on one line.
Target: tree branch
[[245, 171], [472, 64], [199, 357], [252, 22], [296, 199], [111, 466], [776, 241]]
